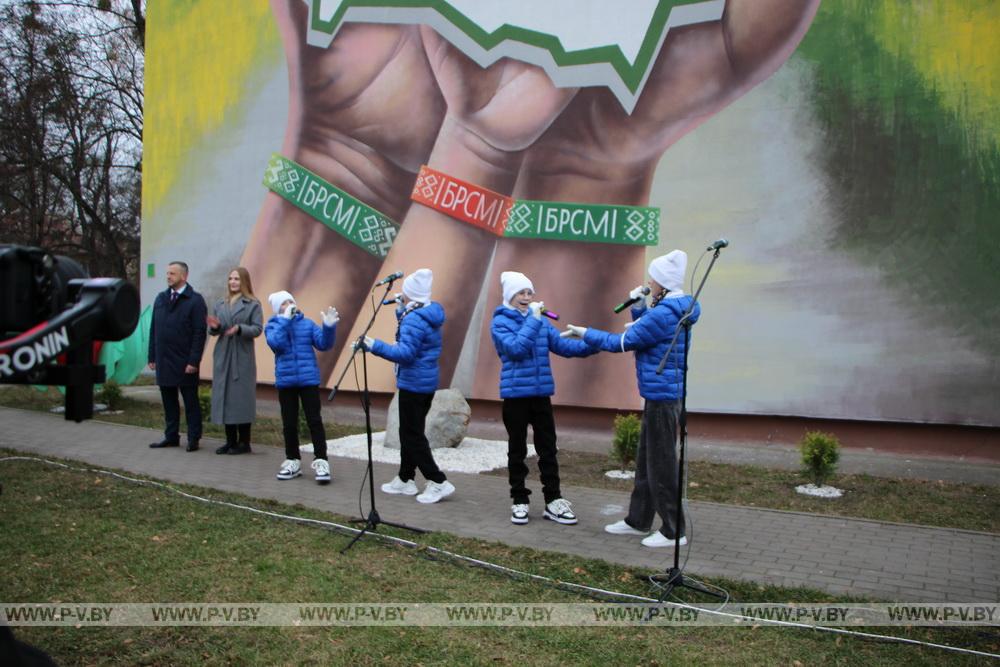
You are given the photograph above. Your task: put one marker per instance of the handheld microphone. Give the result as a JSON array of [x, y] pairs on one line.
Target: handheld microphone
[[721, 243], [625, 304], [396, 299], [549, 314], [390, 278]]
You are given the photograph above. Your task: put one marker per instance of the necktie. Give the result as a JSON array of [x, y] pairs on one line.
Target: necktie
[[173, 297]]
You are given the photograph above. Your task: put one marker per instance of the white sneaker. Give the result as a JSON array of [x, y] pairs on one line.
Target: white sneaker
[[398, 487], [434, 492], [322, 468], [289, 469], [622, 528], [519, 513], [657, 539], [559, 510]]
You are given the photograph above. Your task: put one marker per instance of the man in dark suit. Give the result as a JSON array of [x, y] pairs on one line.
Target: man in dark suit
[[176, 342]]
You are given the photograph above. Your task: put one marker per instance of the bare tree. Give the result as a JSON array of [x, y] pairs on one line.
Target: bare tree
[[71, 129]]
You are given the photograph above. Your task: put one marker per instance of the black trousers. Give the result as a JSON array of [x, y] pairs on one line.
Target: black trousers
[[289, 399], [414, 450], [172, 412], [518, 413], [655, 490], [238, 434]]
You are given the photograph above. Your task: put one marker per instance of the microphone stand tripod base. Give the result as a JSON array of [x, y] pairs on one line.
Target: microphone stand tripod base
[[674, 578], [372, 523]]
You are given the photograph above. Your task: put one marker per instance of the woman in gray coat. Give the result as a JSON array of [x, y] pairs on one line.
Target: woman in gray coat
[[236, 320]]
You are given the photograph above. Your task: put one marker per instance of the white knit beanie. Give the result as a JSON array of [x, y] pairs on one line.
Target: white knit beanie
[[668, 270], [417, 286], [279, 298], [512, 282]]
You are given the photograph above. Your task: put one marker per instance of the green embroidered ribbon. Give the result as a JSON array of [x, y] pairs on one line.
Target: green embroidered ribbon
[[594, 223], [373, 231], [354, 220]]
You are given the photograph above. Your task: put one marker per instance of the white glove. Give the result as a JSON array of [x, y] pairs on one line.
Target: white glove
[[330, 316], [289, 312], [573, 331], [637, 293], [536, 308], [365, 345]]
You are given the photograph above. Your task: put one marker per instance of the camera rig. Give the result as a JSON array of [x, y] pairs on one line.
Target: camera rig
[[49, 308]]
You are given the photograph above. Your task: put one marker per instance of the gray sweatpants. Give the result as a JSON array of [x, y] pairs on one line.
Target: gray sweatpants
[[655, 490]]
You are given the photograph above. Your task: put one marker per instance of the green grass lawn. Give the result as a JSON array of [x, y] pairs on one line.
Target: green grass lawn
[[965, 506], [82, 537]]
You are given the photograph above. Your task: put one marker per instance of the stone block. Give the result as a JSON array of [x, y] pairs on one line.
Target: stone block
[[447, 420]]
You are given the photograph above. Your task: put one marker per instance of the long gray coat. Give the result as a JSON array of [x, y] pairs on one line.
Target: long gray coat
[[234, 367]]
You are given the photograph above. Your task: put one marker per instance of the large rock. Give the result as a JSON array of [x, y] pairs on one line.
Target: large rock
[[447, 421]]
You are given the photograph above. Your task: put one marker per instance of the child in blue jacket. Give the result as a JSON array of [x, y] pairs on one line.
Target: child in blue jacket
[[655, 490], [523, 340], [296, 375], [416, 352]]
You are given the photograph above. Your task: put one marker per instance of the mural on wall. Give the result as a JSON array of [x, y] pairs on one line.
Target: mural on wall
[[849, 153]]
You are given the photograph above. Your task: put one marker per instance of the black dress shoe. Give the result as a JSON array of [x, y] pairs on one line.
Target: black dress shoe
[[240, 449], [225, 449], [192, 446], [163, 443]]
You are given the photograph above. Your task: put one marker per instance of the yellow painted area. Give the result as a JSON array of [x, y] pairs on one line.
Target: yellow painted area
[[200, 55], [955, 46]]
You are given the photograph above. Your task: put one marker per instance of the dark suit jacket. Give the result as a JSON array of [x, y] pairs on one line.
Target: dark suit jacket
[[177, 336]]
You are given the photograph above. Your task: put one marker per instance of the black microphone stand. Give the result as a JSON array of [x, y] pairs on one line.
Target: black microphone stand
[[674, 577], [373, 519]]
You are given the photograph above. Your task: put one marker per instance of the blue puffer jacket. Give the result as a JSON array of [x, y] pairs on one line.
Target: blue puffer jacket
[[417, 348], [292, 341], [523, 344], [650, 337]]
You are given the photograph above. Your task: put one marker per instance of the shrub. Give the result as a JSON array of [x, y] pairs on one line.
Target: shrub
[[111, 395], [626, 439], [205, 401], [820, 453]]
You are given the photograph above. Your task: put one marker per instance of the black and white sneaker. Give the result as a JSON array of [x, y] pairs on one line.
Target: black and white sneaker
[[560, 511], [519, 513], [322, 468], [290, 469]]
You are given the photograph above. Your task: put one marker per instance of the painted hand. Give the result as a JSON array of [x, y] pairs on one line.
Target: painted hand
[[363, 115]]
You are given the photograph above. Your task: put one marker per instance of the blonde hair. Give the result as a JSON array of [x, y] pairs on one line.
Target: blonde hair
[[246, 286]]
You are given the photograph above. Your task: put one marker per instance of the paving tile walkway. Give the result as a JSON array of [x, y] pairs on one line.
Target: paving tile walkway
[[884, 561]]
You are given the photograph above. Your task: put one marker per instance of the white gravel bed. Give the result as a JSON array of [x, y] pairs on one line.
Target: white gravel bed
[[819, 491], [473, 455]]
